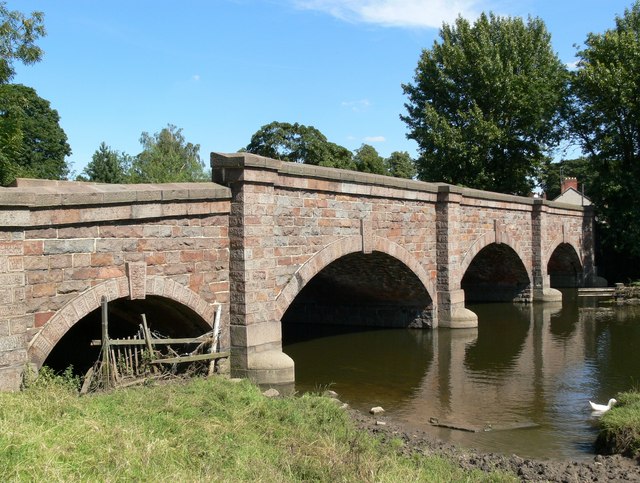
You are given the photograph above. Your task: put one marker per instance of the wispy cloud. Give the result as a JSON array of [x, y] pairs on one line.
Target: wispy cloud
[[398, 13], [357, 106], [375, 139], [195, 78]]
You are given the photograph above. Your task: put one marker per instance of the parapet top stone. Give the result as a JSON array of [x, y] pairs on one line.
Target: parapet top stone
[[223, 161], [40, 192]]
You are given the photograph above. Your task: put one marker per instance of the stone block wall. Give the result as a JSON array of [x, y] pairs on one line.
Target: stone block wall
[[60, 241]]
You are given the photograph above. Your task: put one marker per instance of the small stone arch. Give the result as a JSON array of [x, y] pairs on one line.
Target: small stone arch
[[487, 239], [74, 310], [555, 243], [338, 249]]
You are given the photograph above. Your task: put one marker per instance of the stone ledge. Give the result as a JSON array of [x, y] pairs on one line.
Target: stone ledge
[[48, 193], [247, 160]]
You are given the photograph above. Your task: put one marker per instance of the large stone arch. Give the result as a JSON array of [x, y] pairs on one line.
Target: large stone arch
[[338, 249], [74, 310], [500, 237]]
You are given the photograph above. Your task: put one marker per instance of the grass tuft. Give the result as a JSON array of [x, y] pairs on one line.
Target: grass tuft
[[620, 431]]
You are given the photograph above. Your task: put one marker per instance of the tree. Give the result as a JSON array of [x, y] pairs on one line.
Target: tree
[[368, 160], [606, 120], [167, 157], [107, 166], [18, 35], [400, 165], [33, 143], [486, 105], [298, 143]]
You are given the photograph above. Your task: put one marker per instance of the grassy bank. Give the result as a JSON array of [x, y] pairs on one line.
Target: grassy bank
[[204, 429], [620, 427]]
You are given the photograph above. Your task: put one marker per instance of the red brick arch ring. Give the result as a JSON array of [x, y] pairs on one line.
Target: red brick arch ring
[[487, 239], [74, 310], [338, 249]]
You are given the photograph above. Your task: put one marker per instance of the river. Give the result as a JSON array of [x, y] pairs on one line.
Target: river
[[522, 379]]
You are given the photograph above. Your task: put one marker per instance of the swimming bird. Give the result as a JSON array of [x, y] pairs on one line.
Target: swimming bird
[[601, 407]]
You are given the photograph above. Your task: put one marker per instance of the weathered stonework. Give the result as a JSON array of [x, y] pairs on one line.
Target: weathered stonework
[[278, 241]]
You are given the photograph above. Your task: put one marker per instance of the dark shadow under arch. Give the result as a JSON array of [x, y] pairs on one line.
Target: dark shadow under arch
[[496, 274], [374, 290], [564, 267], [165, 316]]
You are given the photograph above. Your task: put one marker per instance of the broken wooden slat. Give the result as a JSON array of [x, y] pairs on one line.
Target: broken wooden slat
[[190, 340], [197, 357]]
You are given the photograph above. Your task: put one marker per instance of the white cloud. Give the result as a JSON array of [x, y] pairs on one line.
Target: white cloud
[[375, 139], [196, 78], [398, 13], [357, 106]]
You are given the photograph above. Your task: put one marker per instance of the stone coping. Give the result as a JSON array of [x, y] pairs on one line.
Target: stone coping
[[248, 160], [43, 193]]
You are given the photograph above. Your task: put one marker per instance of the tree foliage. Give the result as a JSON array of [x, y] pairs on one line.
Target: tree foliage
[[400, 165], [107, 166], [368, 160], [18, 35], [298, 143], [486, 103], [167, 157], [606, 120], [32, 143]]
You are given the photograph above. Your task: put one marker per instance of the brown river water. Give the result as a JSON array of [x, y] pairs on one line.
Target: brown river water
[[522, 379]]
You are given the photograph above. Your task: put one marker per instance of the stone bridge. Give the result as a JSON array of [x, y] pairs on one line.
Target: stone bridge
[[273, 243]]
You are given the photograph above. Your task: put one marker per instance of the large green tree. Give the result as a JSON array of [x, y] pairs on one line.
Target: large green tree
[[167, 157], [400, 165], [107, 166], [486, 103], [18, 36], [298, 143], [32, 143], [368, 160], [606, 119]]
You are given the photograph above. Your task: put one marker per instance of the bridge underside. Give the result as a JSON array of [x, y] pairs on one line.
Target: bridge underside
[[373, 290], [564, 267], [496, 274], [164, 316]]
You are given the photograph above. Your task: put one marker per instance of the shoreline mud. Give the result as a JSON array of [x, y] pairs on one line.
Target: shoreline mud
[[600, 468]]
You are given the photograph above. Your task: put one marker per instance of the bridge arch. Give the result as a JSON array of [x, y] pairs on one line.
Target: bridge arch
[[341, 248], [563, 263], [493, 270], [117, 289], [487, 239]]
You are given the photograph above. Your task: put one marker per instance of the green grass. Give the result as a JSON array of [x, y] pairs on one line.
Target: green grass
[[620, 427], [201, 430]]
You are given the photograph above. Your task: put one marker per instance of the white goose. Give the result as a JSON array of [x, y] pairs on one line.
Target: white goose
[[601, 408]]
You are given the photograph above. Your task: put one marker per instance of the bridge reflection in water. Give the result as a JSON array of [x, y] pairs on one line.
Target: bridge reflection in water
[[536, 363]]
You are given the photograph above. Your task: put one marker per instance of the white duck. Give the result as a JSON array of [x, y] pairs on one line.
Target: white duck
[[601, 408]]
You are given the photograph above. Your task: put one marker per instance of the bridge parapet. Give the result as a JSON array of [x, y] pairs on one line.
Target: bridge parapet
[[61, 241]]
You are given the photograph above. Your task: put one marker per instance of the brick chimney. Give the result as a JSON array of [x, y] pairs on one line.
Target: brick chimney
[[568, 183]]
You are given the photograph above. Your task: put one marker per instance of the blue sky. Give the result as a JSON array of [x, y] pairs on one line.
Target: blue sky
[[220, 69]]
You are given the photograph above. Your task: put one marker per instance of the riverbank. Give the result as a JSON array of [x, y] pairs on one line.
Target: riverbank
[[415, 442], [200, 430], [620, 433], [627, 294]]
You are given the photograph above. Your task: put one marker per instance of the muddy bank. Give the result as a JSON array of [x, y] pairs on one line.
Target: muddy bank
[[601, 468]]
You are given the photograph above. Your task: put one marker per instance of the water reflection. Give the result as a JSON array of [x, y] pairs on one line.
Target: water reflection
[[534, 364]]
